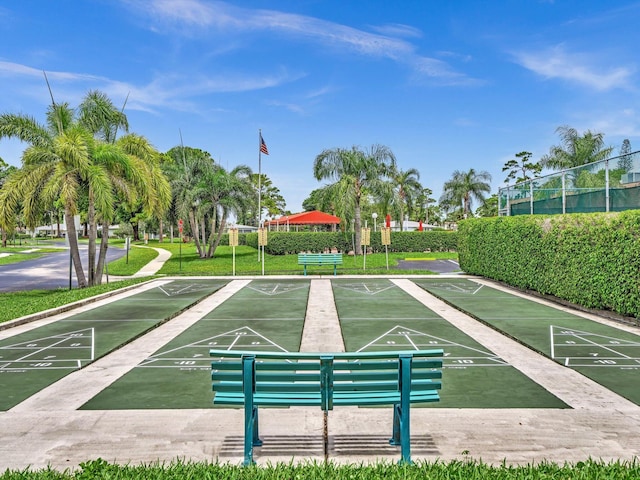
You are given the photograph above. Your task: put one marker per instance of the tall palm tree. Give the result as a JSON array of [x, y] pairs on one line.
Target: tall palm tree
[[464, 187], [354, 173], [576, 149], [136, 180], [56, 165], [222, 192], [406, 187], [74, 156], [185, 170]]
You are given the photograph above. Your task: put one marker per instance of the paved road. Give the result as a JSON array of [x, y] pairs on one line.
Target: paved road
[[436, 266], [47, 272]]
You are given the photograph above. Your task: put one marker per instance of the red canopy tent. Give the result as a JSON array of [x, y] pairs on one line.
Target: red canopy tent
[[314, 217]]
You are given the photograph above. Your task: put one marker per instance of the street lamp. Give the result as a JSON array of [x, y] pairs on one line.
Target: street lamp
[[374, 215]]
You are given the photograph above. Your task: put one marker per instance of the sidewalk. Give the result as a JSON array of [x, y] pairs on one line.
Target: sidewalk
[[150, 268], [47, 429]]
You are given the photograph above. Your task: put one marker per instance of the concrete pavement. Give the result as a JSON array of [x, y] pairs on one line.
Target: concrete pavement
[[47, 429]]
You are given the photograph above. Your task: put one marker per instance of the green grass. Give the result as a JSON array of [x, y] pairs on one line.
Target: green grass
[[185, 261], [457, 469], [19, 304], [129, 264], [17, 254]]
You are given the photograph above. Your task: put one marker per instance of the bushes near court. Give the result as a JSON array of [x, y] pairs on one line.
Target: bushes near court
[[282, 243], [592, 260]]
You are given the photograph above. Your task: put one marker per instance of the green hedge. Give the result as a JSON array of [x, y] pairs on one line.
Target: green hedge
[[591, 260], [282, 243]]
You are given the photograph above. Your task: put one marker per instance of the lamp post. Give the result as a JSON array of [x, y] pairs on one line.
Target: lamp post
[[374, 215]]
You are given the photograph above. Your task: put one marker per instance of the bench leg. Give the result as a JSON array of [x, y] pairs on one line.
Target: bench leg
[[251, 436], [401, 412], [401, 433], [305, 270]]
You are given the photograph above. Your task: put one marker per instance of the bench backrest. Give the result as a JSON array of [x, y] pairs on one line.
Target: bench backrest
[[320, 379], [327, 258]]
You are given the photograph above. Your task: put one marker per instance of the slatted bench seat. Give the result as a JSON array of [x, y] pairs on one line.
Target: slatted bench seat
[[282, 379], [334, 259]]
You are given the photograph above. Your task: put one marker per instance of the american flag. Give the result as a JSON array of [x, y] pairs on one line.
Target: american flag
[[263, 146]]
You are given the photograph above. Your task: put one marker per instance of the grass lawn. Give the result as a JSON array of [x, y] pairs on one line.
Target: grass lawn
[[185, 261], [21, 253]]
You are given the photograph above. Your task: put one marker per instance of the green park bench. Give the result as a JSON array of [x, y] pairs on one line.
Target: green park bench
[[334, 259], [325, 380]]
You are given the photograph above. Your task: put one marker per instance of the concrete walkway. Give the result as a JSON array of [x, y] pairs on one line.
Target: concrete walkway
[[47, 429]]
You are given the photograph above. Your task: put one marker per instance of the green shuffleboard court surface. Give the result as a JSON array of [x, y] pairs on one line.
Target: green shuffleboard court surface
[[377, 315], [607, 355], [35, 359], [265, 315]]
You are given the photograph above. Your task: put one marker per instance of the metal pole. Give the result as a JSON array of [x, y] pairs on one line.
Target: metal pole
[[606, 169], [564, 193], [259, 182]]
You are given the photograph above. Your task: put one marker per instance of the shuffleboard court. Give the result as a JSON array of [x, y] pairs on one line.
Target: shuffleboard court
[[35, 359], [607, 355], [264, 315], [375, 314]]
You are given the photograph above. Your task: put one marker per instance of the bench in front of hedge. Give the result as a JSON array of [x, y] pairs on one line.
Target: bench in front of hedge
[[283, 379], [334, 259]]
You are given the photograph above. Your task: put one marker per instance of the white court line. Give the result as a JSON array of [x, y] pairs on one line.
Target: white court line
[[93, 344], [411, 341], [40, 350]]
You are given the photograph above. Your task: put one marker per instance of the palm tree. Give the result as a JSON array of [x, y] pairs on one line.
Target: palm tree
[[406, 187], [185, 171], [76, 159], [56, 165], [354, 173], [136, 179], [576, 150], [221, 193], [463, 188]]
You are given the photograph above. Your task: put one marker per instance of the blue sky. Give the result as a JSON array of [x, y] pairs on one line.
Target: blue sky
[[447, 85]]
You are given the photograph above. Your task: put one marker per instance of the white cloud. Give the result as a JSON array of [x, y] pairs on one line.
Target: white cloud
[[221, 17], [575, 68]]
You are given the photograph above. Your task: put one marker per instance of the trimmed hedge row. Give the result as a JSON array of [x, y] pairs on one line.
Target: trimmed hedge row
[[282, 243], [591, 260]]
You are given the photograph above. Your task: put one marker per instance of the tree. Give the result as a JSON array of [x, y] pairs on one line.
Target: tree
[[186, 168], [406, 187], [575, 149], [521, 168], [74, 160], [270, 198], [424, 200], [221, 193], [56, 165], [354, 173], [463, 188], [317, 200], [489, 207], [5, 171], [625, 162]]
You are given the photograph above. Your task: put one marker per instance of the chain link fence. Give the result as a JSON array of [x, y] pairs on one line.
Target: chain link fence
[[610, 185]]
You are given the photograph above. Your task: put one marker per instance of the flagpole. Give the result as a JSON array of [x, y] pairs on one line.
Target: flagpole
[[259, 182]]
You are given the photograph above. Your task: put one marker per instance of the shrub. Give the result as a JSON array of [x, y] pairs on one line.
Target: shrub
[[591, 260]]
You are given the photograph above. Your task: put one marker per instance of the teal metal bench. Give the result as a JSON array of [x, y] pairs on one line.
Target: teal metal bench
[[334, 259], [282, 379]]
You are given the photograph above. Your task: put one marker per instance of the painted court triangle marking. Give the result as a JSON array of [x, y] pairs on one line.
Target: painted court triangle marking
[[232, 340], [365, 288], [276, 288]]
